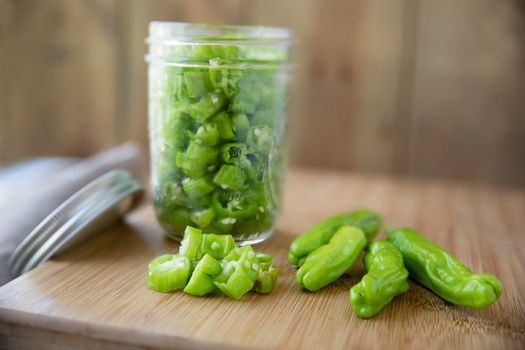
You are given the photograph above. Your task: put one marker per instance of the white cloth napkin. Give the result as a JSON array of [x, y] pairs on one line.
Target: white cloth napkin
[[24, 205]]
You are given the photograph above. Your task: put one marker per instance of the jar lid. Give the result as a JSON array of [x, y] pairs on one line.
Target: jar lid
[[85, 213]]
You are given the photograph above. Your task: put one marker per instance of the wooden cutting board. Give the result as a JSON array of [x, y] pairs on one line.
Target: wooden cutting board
[[95, 296]]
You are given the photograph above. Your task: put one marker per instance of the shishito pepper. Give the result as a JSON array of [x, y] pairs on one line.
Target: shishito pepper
[[168, 272], [368, 221], [386, 278], [442, 273], [328, 262]]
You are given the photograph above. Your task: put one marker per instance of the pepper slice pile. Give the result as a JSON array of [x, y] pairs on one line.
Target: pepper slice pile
[[208, 263]]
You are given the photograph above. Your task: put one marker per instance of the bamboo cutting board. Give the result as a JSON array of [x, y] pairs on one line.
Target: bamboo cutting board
[[95, 296]]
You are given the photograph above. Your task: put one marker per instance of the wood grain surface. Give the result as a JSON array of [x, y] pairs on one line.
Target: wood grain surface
[[97, 292]]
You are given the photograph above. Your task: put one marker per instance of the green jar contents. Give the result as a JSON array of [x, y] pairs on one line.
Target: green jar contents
[[217, 112]]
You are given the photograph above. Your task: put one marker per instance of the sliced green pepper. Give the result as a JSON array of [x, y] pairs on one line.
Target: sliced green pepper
[[268, 273], [207, 134], [191, 242], [168, 272], [266, 280], [201, 281], [197, 82], [174, 131], [228, 204], [230, 177], [259, 139], [224, 125], [218, 246], [234, 153], [241, 124], [208, 105], [203, 218], [198, 187]]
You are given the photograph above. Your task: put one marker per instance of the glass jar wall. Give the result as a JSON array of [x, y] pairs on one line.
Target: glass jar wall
[[218, 97]]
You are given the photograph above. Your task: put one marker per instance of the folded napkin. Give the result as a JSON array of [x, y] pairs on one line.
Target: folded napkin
[[27, 201]]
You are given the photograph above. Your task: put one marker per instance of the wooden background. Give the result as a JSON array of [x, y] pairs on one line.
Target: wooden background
[[406, 87]]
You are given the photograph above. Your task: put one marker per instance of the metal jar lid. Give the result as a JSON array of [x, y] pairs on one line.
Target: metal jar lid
[[92, 208]]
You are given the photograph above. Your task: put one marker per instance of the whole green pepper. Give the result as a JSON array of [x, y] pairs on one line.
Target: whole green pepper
[[443, 274], [328, 262], [368, 221], [386, 278]]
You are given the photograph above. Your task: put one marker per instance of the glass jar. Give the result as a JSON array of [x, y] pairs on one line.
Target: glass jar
[[218, 97]]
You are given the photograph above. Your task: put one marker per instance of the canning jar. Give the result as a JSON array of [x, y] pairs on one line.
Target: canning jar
[[218, 97]]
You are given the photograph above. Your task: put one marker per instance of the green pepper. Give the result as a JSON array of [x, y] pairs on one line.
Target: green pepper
[[259, 139], [328, 262], [203, 218], [198, 83], [197, 159], [241, 124], [168, 272], [201, 281], [208, 105], [171, 194], [234, 153], [191, 243], [320, 234], [265, 260], [240, 270], [268, 273], [224, 125], [266, 280], [207, 134], [247, 99], [217, 246], [230, 177], [233, 205], [198, 187], [442, 273], [386, 278], [174, 131]]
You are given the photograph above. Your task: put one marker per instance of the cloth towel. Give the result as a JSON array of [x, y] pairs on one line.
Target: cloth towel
[[26, 201]]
